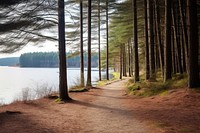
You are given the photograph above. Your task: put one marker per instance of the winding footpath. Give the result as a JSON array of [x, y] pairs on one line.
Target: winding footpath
[[108, 111]]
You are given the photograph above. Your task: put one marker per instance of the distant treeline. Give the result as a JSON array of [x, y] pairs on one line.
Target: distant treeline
[[11, 61], [50, 59]]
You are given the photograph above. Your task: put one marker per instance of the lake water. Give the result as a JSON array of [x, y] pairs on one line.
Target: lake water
[[14, 80]]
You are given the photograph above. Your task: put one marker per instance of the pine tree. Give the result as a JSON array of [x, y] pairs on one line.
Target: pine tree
[[63, 88]]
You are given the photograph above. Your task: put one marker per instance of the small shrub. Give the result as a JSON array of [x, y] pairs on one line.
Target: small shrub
[[26, 94], [44, 90]]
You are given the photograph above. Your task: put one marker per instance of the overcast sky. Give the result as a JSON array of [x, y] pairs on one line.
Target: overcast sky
[[47, 46]]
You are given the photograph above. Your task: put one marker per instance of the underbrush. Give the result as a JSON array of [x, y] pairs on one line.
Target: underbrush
[[156, 87]]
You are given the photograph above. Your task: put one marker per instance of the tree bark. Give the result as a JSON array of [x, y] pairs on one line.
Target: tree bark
[[146, 42], [173, 53], [107, 45], [63, 88], [81, 44], [185, 34], [168, 54], [89, 83], [129, 59], [99, 40], [193, 67], [121, 60], [183, 60], [176, 40], [151, 39], [159, 39], [136, 60], [124, 60]]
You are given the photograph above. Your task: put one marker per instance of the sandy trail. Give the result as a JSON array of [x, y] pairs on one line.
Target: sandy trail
[[109, 112]]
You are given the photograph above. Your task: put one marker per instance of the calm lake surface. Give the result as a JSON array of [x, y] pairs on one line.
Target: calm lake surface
[[13, 80]]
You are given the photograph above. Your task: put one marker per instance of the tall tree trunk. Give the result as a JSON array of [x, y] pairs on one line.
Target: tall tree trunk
[[146, 42], [63, 88], [136, 60], [168, 54], [185, 34], [124, 60], [121, 60], [193, 67], [159, 39], [179, 47], [89, 83], [176, 40], [99, 39], [183, 61], [129, 59], [81, 43], [173, 53], [151, 39], [107, 48], [155, 42]]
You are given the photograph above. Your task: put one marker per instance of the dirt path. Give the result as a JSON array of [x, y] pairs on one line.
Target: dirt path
[[103, 110], [109, 112]]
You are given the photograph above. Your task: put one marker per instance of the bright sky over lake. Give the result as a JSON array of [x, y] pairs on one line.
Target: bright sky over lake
[[47, 46]]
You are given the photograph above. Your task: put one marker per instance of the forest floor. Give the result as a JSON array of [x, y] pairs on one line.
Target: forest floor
[[107, 110]]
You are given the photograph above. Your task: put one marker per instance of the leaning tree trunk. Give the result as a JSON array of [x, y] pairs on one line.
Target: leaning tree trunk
[[136, 60], [168, 54], [89, 83], [81, 43], [193, 67], [63, 88]]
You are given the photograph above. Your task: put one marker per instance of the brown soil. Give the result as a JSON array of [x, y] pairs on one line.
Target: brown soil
[[106, 110]]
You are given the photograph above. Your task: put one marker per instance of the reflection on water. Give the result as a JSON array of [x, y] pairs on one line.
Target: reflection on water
[[13, 80]]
